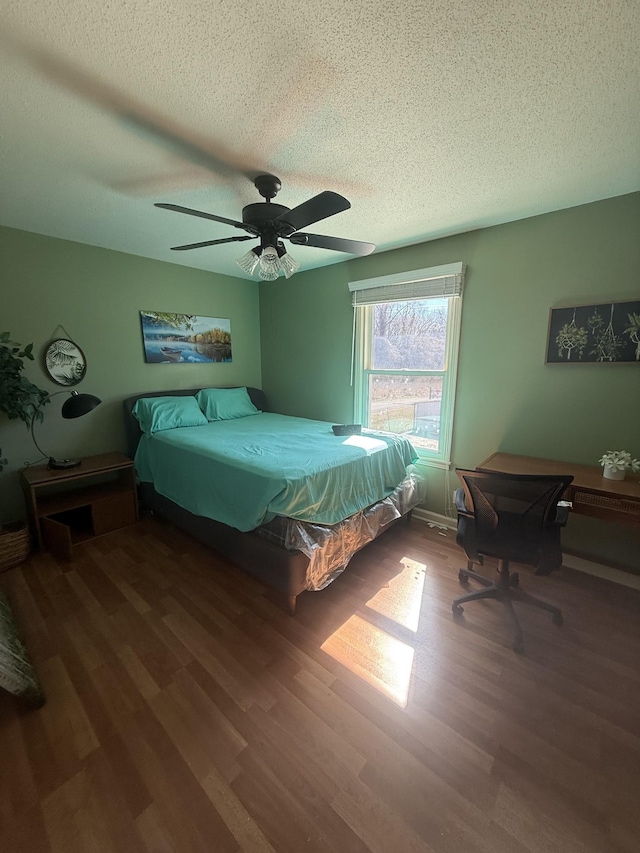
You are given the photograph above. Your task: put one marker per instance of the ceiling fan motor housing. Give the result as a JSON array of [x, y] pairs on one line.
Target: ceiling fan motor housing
[[261, 216]]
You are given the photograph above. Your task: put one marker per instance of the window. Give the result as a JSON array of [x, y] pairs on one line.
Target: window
[[406, 336]]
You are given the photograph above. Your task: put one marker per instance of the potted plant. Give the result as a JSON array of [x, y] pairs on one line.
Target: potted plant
[[19, 398], [616, 463]]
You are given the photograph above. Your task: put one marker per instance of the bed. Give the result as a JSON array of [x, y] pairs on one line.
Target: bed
[[283, 498]]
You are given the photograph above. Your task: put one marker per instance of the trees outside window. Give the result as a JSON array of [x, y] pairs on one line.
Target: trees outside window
[[406, 364]]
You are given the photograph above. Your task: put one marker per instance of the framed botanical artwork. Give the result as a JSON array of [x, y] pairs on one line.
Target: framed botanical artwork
[[64, 361], [605, 333], [185, 338]]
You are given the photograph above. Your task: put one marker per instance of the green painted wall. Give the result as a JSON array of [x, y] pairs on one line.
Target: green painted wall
[[297, 335], [507, 399], [96, 294]]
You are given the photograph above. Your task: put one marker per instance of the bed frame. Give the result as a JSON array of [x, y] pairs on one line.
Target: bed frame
[[282, 570]]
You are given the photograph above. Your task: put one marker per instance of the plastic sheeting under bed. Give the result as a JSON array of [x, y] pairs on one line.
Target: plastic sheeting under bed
[[331, 547]]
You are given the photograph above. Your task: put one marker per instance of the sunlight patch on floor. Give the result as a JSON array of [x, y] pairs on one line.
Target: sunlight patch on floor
[[402, 598], [379, 659]]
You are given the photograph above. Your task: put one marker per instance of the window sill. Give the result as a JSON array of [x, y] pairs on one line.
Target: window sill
[[425, 462]]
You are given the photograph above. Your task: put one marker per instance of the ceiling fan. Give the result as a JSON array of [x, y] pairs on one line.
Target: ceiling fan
[[273, 223]]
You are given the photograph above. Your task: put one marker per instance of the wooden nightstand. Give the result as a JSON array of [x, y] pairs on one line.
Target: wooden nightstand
[[70, 506]]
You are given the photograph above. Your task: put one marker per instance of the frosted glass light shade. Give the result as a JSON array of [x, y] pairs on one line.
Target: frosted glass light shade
[[269, 264], [268, 261], [289, 265], [249, 261]]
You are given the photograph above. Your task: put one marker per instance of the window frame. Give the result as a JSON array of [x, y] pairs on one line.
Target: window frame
[[363, 324]]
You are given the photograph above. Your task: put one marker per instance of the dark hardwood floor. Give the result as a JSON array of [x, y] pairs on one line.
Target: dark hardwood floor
[[187, 711]]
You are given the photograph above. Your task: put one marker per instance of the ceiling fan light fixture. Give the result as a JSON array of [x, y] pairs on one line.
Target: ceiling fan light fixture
[[269, 264], [289, 265], [249, 261]]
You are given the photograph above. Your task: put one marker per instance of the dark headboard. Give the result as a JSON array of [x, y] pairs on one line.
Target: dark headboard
[[132, 427]]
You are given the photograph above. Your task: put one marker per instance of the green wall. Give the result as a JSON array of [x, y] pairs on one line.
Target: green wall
[[507, 398], [96, 295], [296, 335]]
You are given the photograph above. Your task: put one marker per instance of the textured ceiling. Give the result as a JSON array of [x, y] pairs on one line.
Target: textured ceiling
[[431, 117]]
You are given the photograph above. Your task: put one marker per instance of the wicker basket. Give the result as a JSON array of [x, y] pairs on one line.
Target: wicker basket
[[15, 544]]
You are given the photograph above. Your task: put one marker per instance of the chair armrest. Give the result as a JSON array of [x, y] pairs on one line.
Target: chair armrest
[[562, 514], [460, 504], [466, 530]]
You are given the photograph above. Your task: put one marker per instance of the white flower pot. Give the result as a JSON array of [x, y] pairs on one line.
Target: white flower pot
[[610, 474]]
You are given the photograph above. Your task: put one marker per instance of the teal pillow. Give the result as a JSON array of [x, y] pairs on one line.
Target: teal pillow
[[155, 414], [223, 404]]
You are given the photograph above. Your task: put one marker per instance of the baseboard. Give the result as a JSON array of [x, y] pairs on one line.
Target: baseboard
[[579, 564], [434, 518], [599, 570]]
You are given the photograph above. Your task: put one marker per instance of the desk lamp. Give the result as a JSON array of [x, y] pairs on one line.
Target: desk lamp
[[76, 406]]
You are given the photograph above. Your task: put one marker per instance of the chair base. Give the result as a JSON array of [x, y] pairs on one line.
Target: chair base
[[505, 589]]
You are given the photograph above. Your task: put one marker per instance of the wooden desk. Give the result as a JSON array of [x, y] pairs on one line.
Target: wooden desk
[[590, 493]]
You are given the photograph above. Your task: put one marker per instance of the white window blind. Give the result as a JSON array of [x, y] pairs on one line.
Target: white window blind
[[428, 283]]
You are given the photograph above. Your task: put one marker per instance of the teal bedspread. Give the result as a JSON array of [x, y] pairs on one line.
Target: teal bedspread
[[243, 472]]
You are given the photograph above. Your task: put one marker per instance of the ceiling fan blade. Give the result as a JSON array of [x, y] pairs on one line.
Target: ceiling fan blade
[[338, 244], [179, 209], [319, 207], [210, 243], [189, 144]]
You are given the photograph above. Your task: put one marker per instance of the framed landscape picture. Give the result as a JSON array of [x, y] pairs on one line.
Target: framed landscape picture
[[606, 333], [185, 338]]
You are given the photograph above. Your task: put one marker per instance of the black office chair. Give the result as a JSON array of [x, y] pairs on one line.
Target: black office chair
[[511, 517]]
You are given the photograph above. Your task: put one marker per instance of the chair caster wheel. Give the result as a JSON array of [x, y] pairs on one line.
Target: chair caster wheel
[[514, 579], [463, 577], [557, 619], [457, 609]]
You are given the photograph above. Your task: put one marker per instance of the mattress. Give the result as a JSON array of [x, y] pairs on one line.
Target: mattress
[[330, 547], [247, 471]]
